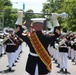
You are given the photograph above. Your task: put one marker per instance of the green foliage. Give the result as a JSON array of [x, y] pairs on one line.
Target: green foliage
[[51, 6], [30, 14], [9, 18], [59, 6]]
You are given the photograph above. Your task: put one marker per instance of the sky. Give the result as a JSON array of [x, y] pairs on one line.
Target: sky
[[35, 5]]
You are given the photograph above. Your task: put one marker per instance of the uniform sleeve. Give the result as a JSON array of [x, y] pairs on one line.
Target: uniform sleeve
[[51, 39], [24, 38]]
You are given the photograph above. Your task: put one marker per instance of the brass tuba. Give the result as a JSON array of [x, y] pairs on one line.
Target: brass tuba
[[6, 37]]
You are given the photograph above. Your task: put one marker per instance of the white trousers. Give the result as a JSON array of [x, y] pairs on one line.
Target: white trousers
[[69, 51], [75, 54], [18, 51], [53, 52], [63, 60], [56, 55], [36, 71], [0, 50], [72, 53], [58, 60], [10, 59], [50, 50]]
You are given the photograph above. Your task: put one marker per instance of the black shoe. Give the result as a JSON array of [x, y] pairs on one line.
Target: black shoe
[[16, 61], [58, 66], [21, 51], [61, 71], [7, 71], [66, 71], [5, 53], [72, 60], [13, 65], [69, 57], [55, 61], [1, 55], [17, 58]]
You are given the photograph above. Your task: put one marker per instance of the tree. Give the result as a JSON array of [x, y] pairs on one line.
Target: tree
[[9, 17], [4, 3], [69, 6], [28, 15], [59, 6]]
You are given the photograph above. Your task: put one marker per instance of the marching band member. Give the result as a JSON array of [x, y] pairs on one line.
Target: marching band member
[[10, 50], [56, 25], [74, 47], [1, 46], [69, 46], [72, 50], [19, 25], [57, 52], [63, 49], [39, 61], [19, 49]]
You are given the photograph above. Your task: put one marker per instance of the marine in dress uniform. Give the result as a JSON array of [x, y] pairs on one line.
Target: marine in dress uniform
[[19, 25], [36, 64], [10, 50], [63, 49], [56, 25], [19, 49], [69, 46], [1, 45], [74, 47], [72, 50], [57, 52]]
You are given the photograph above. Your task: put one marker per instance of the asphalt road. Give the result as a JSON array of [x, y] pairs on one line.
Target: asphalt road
[[19, 69]]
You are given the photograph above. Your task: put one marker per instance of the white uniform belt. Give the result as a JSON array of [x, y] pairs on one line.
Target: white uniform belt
[[33, 54], [63, 46], [9, 44]]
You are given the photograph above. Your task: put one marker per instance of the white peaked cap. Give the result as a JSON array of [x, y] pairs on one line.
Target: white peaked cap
[[41, 20], [19, 20]]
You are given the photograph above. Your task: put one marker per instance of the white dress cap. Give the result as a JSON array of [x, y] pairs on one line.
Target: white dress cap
[[41, 20]]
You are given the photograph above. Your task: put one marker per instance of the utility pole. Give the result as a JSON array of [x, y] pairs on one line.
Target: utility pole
[[3, 20]]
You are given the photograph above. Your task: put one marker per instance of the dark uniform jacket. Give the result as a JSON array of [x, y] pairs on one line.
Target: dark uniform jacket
[[63, 48], [74, 46], [10, 47], [32, 60]]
